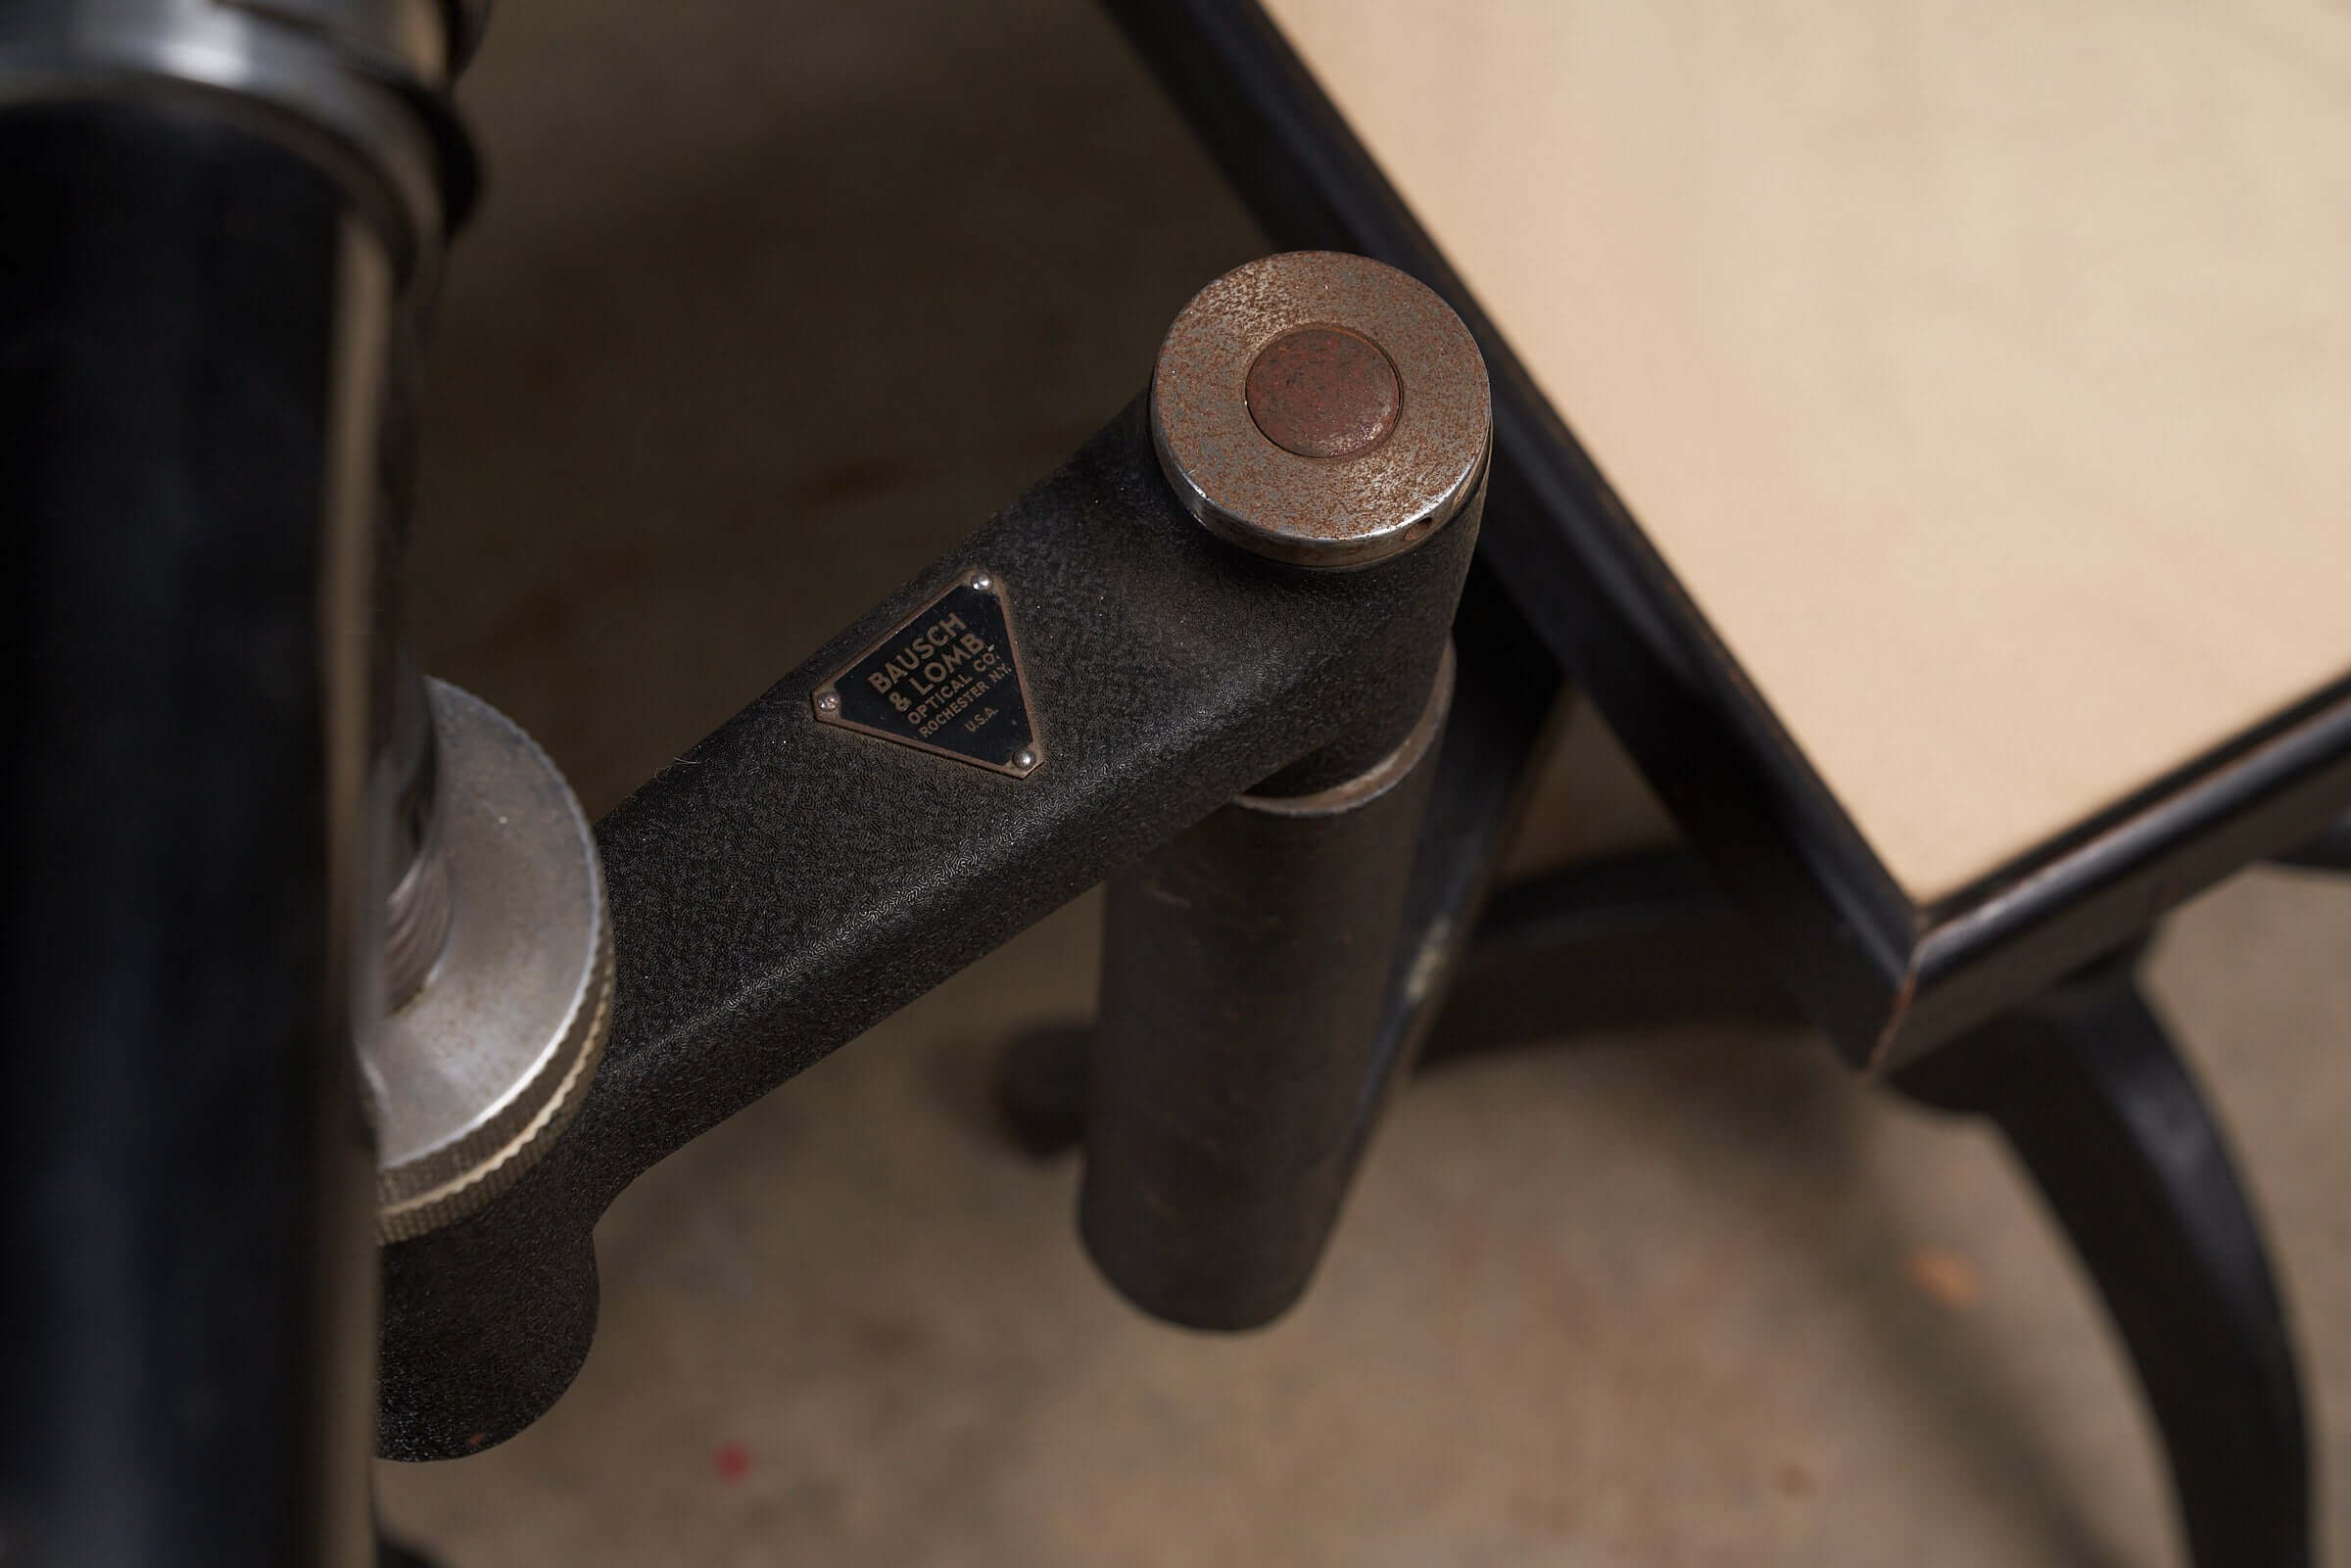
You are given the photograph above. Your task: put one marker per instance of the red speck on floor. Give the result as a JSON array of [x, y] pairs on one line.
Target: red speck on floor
[[732, 1461]]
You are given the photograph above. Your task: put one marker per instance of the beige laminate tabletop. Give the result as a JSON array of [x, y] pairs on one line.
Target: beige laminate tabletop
[[1981, 367]]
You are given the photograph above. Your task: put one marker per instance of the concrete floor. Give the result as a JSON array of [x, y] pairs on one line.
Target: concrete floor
[[769, 304]]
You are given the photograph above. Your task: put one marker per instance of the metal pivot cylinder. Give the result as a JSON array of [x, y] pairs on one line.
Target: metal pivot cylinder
[[1329, 413], [498, 972], [1237, 1061]]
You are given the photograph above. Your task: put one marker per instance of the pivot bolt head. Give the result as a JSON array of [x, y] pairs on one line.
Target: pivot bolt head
[[1323, 392], [1321, 409]]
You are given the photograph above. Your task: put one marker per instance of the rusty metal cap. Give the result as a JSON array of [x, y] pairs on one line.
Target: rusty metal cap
[[1320, 408]]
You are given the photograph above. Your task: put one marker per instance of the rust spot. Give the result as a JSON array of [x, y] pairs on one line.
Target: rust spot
[[1793, 1480], [1945, 1278], [1323, 392], [733, 1463], [1277, 410]]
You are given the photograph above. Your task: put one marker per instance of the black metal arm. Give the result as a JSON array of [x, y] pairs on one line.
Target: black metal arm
[[787, 884]]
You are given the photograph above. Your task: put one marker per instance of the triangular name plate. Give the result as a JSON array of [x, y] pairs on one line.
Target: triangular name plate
[[946, 680]]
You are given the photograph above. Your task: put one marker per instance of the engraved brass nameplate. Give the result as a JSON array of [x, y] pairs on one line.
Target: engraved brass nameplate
[[946, 680]]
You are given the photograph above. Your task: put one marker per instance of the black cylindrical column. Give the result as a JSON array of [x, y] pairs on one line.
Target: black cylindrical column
[[1323, 412], [1238, 1063], [191, 357]]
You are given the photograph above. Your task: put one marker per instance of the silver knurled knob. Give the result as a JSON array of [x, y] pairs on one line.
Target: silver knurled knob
[[473, 1079]]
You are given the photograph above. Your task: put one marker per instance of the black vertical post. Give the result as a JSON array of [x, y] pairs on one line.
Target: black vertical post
[[186, 454], [1239, 1060]]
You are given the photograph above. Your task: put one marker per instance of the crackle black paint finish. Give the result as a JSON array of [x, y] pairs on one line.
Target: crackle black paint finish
[[789, 883]]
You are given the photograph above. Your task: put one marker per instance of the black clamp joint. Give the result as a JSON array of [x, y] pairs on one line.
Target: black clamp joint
[[1090, 677]]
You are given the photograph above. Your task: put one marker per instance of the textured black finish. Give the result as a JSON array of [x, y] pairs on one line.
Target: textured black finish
[[1886, 978], [1635, 941], [1508, 696], [1506, 692], [1255, 1021], [2104, 1115], [787, 884], [1237, 1060], [175, 1083]]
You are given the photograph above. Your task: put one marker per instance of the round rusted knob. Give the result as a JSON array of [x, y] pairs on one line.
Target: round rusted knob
[[1323, 392], [1322, 409]]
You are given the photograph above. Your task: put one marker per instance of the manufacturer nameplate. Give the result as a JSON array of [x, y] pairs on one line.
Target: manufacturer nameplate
[[946, 680]]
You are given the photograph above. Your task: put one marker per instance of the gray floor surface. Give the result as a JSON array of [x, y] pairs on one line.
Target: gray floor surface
[[768, 306]]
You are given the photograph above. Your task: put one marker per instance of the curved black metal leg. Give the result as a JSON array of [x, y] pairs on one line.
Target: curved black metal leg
[[2104, 1115], [1632, 941]]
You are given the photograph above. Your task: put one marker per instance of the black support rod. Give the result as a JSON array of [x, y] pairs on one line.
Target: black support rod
[[187, 454], [1508, 696], [1236, 1062]]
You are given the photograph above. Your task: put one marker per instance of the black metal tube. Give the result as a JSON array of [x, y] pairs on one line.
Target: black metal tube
[[1238, 1063], [190, 360]]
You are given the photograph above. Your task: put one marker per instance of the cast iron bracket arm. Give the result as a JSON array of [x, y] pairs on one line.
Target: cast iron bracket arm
[[789, 883]]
